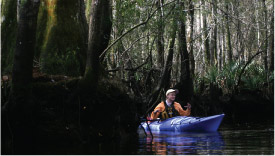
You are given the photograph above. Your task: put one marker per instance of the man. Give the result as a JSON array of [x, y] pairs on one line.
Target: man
[[169, 108]]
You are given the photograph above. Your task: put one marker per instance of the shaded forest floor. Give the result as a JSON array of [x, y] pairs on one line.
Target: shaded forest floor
[[67, 116]]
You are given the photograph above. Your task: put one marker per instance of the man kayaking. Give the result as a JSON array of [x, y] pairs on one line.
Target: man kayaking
[[169, 108]]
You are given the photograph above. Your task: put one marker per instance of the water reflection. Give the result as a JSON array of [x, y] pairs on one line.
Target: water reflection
[[182, 143]]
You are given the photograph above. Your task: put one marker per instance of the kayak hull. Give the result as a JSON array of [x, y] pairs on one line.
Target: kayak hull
[[185, 124]]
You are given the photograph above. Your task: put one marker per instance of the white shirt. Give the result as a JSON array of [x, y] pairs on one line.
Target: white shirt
[[169, 104]]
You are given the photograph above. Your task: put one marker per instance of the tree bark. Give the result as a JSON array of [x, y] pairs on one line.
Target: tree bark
[[192, 61], [220, 50], [252, 36], [20, 108], [206, 40], [223, 44], [8, 35], [99, 35], [228, 35], [119, 28], [85, 29], [271, 68], [185, 85], [239, 40], [265, 35], [160, 39], [215, 33]]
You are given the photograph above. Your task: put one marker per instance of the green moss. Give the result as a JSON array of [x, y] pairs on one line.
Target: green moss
[[8, 35], [88, 8], [62, 42], [42, 28]]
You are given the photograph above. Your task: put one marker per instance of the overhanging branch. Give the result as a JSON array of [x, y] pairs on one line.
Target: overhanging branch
[[131, 29]]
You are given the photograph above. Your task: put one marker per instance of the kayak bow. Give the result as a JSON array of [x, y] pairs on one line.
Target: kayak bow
[[186, 123]]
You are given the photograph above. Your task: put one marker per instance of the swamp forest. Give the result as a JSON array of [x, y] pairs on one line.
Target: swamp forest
[[85, 73]]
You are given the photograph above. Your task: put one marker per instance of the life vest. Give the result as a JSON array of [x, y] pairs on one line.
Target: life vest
[[168, 111]]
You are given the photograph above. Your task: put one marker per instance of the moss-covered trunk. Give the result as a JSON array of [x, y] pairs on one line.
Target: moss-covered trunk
[[99, 35], [8, 35], [20, 108], [62, 37]]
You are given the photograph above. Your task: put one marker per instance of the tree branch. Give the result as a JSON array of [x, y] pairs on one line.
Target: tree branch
[[247, 63], [250, 60], [131, 29], [132, 44], [131, 69]]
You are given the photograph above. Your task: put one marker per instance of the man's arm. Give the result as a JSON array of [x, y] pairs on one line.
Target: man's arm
[[157, 110], [182, 112]]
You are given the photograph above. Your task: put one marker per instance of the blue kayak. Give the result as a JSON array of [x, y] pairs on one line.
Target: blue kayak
[[186, 123]]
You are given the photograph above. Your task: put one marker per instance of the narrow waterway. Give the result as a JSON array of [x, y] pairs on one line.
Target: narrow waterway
[[244, 139]]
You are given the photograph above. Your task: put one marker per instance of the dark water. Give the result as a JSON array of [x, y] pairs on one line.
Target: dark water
[[252, 139], [244, 139]]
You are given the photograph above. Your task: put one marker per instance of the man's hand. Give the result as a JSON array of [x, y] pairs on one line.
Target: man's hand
[[188, 106], [156, 111]]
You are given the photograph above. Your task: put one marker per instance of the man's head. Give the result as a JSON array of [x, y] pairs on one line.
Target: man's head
[[171, 94]]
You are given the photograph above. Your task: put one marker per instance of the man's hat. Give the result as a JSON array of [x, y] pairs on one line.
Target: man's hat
[[172, 90]]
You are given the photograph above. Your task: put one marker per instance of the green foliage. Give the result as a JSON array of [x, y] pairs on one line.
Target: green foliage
[[255, 77], [198, 83], [229, 75], [212, 75], [226, 78]]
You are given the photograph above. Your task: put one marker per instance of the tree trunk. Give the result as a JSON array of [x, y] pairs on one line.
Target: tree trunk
[[252, 36], [177, 67], [265, 36], [185, 85], [239, 40], [257, 20], [228, 35], [220, 51], [206, 40], [8, 35], [223, 44], [272, 44], [20, 107], [82, 56], [160, 39], [99, 34], [215, 32], [119, 28], [192, 61]]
